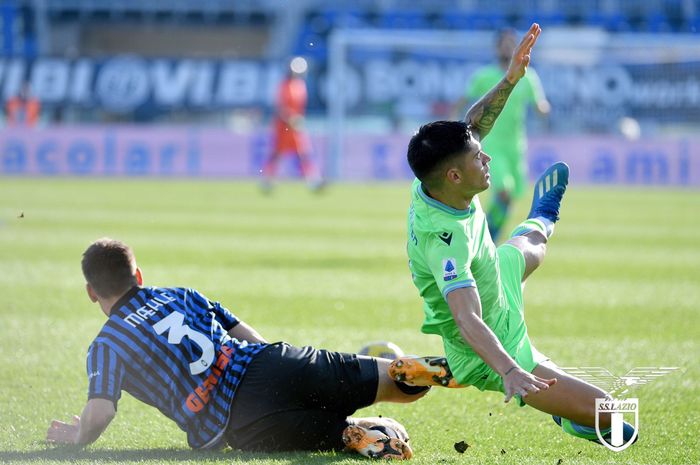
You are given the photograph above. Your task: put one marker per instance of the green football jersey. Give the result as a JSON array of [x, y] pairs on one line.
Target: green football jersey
[[450, 249], [507, 138]]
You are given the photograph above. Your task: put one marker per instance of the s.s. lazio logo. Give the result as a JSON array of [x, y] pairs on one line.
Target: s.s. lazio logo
[[617, 405], [449, 266]]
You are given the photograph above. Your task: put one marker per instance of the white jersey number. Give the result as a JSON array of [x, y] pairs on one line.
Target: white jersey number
[[173, 322]]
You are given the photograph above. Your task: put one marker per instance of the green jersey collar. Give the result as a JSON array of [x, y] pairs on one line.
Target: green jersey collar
[[441, 206]]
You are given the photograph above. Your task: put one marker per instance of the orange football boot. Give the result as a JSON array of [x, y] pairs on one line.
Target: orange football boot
[[423, 371]]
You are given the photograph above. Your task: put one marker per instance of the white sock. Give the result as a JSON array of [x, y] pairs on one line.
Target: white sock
[[549, 226]]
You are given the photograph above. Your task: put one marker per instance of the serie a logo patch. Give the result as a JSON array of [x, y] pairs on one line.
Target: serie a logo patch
[[449, 266]]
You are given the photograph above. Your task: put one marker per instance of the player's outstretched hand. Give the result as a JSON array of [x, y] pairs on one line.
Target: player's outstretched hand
[[521, 55], [63, 433], [523, 383]]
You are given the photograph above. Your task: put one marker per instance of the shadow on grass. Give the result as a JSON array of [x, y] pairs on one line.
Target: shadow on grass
[[72, 455]]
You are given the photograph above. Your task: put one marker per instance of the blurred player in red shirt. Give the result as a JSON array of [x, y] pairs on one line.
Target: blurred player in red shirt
[[23, 109], [289, 137]]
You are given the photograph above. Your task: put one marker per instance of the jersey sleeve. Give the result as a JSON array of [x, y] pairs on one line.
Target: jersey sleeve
[[449, 260], [105, 372], [227, 319]]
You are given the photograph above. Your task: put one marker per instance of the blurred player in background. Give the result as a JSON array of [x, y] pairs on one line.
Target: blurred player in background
[[23, 109], [288, 128], [217, 378], [507, 142], [473, 290]]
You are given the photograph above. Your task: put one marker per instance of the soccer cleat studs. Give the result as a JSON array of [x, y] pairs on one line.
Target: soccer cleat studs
[[423, 371]]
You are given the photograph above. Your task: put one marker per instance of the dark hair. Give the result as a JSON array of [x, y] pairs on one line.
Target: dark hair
[[109, 267], [434, 145]]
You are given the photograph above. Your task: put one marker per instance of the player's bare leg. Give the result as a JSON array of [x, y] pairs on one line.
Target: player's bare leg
[[390, 390], [570, 397], [571, 402], [269, 171], [533, 247], [531, 236], [310, 172]]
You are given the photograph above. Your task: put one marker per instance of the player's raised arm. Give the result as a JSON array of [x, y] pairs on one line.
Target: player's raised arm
[[482, 115]]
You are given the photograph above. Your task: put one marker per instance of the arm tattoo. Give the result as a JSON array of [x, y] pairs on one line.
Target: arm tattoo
[[482, 115]]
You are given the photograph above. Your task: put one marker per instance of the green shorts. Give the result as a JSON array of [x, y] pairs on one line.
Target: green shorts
[[467, 367]]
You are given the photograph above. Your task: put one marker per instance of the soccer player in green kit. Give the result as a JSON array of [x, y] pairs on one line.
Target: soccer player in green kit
[[472, 290], [508, 141]]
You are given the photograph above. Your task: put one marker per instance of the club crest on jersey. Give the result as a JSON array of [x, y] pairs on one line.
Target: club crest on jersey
[[449, 266]]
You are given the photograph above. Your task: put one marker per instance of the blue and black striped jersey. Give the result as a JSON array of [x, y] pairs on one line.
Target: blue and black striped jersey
[[169, 348]]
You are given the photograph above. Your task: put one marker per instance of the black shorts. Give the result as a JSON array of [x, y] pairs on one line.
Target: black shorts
[[294, 398]]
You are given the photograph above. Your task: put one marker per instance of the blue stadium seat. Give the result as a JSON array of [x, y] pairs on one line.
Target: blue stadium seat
[[658, 22], [693, 25], [31, 48], [345, 18], [476, 20], [311, 45], [317, 24], [8, 15], [615, 22], [403, 20], [544, 19]]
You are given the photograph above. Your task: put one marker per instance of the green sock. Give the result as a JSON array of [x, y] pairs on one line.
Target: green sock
[[580, 431], [528, 226]]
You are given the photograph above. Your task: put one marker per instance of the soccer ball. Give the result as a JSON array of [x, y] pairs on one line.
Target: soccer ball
[[382, 349]]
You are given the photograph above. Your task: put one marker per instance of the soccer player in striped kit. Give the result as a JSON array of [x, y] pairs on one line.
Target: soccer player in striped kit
[[217, 378]]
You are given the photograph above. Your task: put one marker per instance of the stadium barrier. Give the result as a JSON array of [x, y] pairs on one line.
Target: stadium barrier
[[196, 152]]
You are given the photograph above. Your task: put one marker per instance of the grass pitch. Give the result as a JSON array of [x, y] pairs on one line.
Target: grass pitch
[[619, 289]]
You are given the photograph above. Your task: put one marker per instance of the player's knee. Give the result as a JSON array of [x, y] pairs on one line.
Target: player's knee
[[604, 420], [586, 413], [533, 252]]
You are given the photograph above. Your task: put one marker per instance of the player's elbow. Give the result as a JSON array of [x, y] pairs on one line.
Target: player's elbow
[[469, 324]]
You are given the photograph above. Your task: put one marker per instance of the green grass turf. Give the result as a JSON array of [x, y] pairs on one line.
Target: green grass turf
[[619, 289]]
